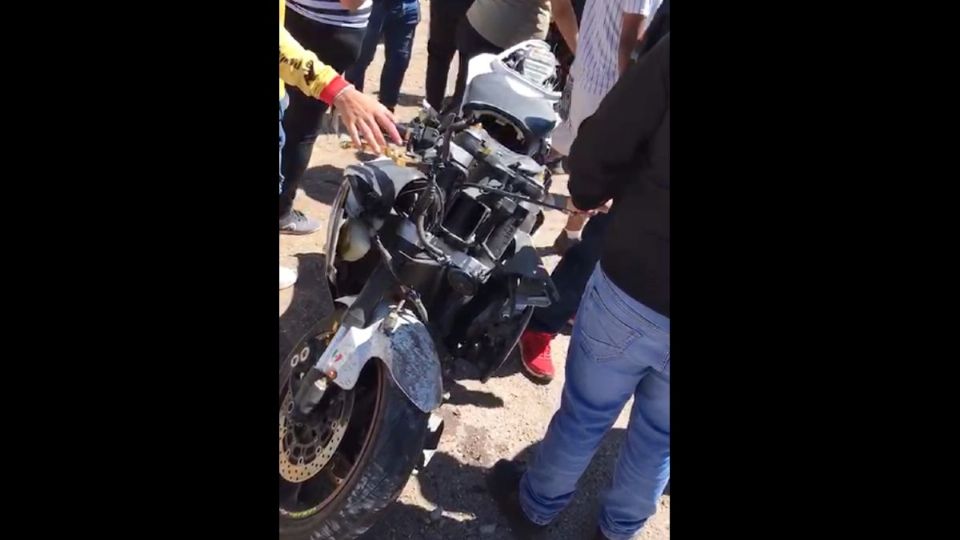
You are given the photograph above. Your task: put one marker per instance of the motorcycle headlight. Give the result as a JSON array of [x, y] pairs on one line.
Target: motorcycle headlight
[[354, 241]]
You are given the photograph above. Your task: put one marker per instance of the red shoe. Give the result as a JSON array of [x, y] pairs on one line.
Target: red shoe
[[535, 355]]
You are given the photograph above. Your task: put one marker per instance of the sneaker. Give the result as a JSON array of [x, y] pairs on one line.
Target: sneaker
[[535, 355], [295, 222], [565, 241], [503, 484], [288, 277]]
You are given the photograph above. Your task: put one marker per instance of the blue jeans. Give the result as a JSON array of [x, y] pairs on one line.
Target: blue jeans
[[571, 276], [283, 106], [396, 21], [620, 348]]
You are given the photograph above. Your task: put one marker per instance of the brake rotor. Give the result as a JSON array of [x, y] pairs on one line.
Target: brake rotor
[[306, 448]]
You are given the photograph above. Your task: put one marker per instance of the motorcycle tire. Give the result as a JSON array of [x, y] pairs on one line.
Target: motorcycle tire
[[392, 449]]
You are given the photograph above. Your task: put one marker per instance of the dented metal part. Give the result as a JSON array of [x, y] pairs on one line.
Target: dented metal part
[[407, 351]]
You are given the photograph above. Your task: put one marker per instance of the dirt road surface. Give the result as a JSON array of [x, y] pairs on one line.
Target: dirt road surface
[[506, 417]]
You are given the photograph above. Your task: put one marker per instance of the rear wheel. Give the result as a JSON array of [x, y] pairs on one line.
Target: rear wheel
[[339, 469]]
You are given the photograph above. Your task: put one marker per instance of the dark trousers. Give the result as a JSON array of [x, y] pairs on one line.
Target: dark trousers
[[335, 46], [396, 21], [469, 44], [571, 276], [445, 17]]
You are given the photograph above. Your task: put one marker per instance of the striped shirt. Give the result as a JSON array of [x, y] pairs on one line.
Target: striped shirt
[[596, 66], [332, 12], [654, 6]]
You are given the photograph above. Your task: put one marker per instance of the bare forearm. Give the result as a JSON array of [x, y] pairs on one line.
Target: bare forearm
[[566, 21], [628, 38], [623, 55], [352, 5]]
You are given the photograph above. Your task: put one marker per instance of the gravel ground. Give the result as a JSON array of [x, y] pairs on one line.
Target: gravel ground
[[505, 417]]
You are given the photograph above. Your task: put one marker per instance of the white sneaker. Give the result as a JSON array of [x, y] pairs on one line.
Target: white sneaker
[[288, 277]]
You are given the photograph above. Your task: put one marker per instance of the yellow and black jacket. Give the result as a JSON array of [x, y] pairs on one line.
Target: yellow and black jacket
[[301, 68]]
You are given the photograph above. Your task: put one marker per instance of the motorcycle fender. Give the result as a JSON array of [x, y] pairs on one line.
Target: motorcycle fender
[[399, 340]]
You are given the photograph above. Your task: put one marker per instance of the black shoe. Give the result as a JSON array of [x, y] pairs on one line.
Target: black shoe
[[503, 483]]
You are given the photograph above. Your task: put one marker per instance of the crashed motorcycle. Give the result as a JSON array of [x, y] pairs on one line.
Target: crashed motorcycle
[[426, 264]]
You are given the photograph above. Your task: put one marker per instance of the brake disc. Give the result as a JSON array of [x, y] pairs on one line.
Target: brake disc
[[306, 448]]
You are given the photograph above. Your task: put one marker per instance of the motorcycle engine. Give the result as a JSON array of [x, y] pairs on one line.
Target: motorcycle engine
[[491, 190]]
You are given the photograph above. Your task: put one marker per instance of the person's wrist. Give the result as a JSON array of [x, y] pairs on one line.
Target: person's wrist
[[334, 89], [343, 91]]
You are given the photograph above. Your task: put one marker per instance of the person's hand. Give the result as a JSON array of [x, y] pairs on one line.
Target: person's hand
[[363, 115], [574, 210], [571, 208]]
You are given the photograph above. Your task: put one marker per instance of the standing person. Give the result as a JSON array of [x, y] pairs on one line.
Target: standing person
[[445, 17], [574, 269], [396, 21], [621, 340], [361, 114], [607, 39], [492, 26], [334, 30], [560, 49]]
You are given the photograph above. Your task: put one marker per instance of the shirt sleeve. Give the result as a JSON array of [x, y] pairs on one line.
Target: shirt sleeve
[[637, 7], [301, 68]]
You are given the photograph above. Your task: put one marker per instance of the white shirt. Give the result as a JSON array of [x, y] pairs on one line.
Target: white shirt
[[332, 12], [596, 67], [654, 6]]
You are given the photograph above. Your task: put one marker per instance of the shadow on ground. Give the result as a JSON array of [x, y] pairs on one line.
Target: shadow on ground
[[462, 370], [460, 490], [321, 183], [461, 395], [409, 100], [311, 301]]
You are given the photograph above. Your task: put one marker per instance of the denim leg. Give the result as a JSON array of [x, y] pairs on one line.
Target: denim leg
[[571, 276], [643, 466], [283, 105], [356, 73], [617, 345], [399, 29]]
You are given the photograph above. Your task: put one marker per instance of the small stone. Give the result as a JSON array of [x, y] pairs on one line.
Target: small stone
[[436, 514], [488, 529]]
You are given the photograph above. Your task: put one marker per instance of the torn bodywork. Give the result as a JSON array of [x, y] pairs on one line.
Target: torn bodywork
[[399, 340]]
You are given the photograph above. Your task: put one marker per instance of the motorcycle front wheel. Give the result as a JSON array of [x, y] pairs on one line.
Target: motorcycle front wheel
[[342, 468]]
